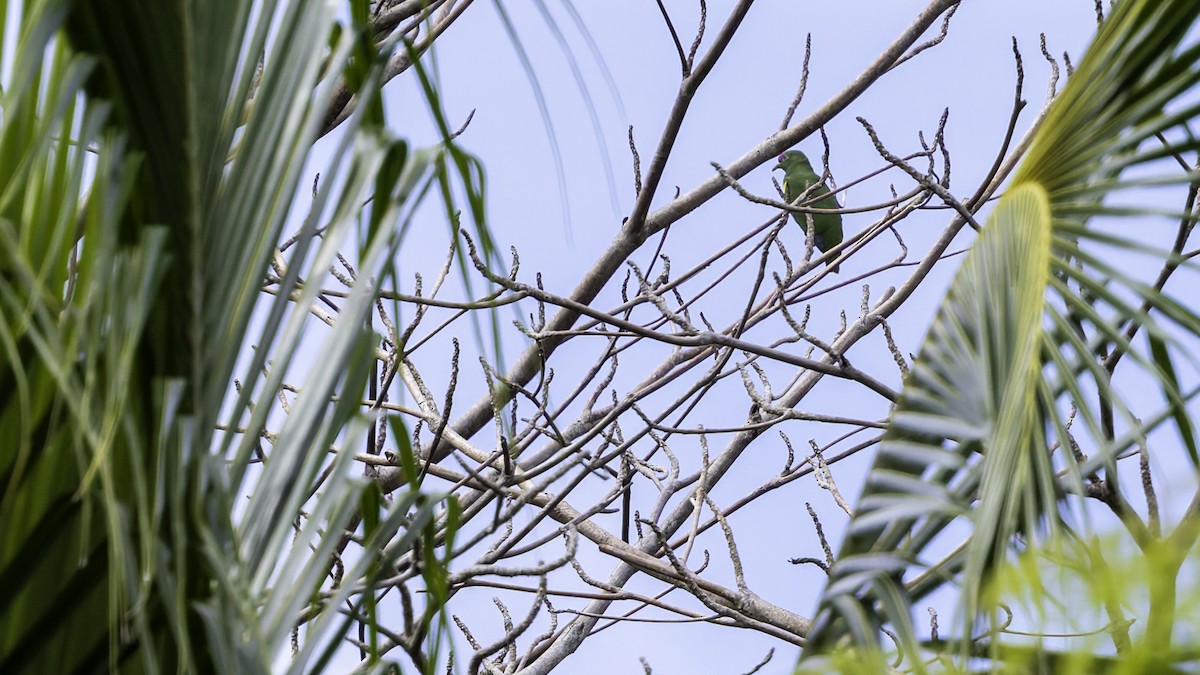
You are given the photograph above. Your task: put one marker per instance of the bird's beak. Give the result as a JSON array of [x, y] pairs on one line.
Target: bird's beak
[[777, 166]]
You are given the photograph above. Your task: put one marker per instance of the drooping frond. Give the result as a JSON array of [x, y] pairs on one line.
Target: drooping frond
[[150, 154]]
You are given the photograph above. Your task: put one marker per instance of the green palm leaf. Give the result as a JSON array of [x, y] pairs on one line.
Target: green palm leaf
[[979, 437], [140, 203]]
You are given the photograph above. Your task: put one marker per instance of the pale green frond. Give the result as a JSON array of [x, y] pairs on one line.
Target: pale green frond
[[1027, 331]]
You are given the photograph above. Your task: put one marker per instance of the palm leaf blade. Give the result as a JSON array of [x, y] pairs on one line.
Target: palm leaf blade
[[982, 402]]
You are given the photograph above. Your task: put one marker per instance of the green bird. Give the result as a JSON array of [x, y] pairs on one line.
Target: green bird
[[798, 176]]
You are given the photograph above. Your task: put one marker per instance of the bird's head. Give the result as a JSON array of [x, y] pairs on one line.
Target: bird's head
[[791, 159]]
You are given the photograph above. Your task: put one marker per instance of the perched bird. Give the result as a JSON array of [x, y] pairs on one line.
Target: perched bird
[[798, 176]]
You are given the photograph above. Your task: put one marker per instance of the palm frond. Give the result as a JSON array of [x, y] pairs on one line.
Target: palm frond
[[979, 437], [135, 242]]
